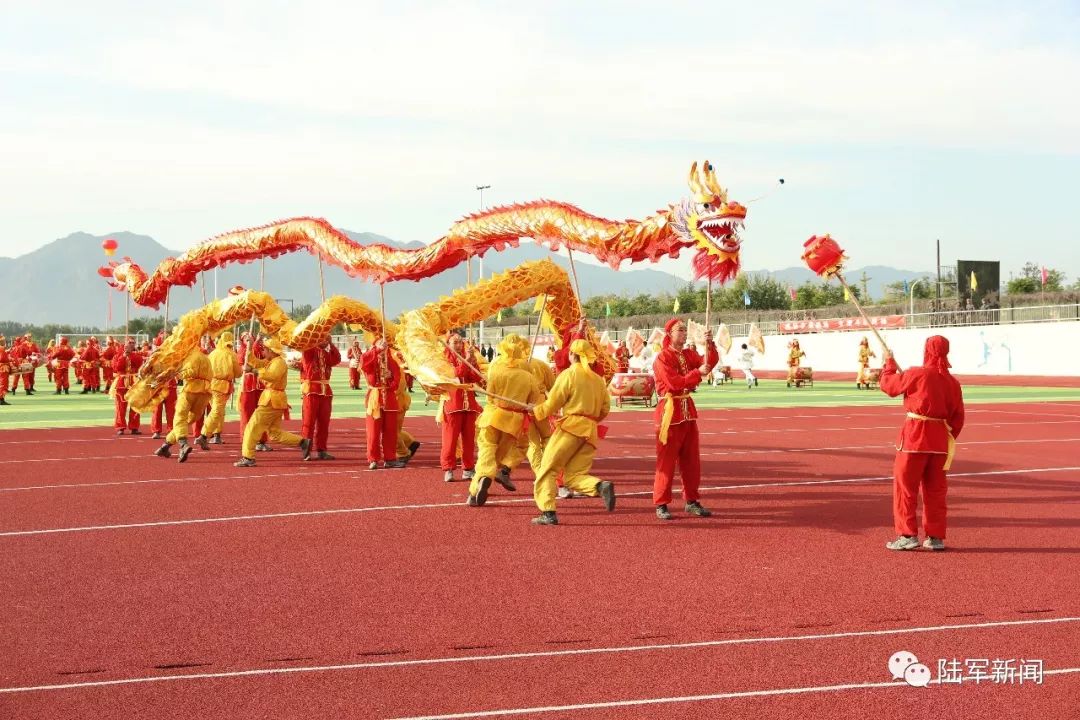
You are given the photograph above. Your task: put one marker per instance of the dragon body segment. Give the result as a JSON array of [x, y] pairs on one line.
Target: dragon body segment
[[707, 221]]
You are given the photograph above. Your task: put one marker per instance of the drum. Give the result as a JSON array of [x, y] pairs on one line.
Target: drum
[[633, 386], [24, 368], [804, 373]]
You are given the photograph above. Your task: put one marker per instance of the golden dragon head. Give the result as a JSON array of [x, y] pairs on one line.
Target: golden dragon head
[[710, 222]]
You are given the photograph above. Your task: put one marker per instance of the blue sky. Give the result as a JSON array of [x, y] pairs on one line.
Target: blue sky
[[892, 123]]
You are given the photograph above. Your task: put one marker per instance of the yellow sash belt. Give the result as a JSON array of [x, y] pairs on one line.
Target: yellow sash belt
[[952, 441], [372, 404], [669, 415]]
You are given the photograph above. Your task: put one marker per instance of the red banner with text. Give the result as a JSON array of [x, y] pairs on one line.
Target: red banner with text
[[834, 324]]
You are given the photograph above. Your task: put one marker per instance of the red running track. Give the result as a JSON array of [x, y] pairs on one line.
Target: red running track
[[134, 586]]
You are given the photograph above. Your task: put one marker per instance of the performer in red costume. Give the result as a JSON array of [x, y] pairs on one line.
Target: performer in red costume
[[353, 355], [5, 369], [679, 370], [460, 411], [62, 357], [108, 354], [315, 367], [935, 416], [622, 358], [125, 366], [91, 375], [383, 375]]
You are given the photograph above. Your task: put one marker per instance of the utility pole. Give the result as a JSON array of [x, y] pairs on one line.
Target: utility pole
[[481, 188], [937, 288]]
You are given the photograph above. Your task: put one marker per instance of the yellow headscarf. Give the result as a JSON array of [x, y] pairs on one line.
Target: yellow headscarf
[[273, 345], [585, 351], [510, 350]]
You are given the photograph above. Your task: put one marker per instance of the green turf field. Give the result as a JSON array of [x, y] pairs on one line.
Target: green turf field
[[48, 410]]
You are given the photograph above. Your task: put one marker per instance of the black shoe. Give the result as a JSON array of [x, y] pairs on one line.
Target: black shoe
[[503, 478], [202, 442], [156, 436], [84, 391], [216, 440], [482, 493], [263, 447], [323, 455], [4, 402], [394, 465], [548, 517], [663, 513], [607, 492], [373, 466], [57, 392], [244, 462], [471, 502], [755, 382], [413, 447], [120, 431], [66, 391], [28, 392], [184, 452], [305, 446], [695, 508], [136, 431], [163, 451]]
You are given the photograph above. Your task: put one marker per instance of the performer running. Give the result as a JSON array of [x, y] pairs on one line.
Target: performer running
[[459, 412], [196, 374], [225, 369], [61, 362], [746, 361], [678, 371], [865, 353], [125, 365], [381, 407], [503, 420], [583, 398], [274, 375], [318, 397], [934, 402]]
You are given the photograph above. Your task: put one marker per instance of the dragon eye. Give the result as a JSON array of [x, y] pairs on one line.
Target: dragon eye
[[706, 206]]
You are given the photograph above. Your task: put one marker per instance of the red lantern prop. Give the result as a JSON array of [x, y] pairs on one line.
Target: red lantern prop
[[109, 246]]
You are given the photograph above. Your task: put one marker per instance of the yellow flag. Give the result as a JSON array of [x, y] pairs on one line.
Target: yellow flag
[[974, 281], [539, 304], [847, 295], [676, 308]]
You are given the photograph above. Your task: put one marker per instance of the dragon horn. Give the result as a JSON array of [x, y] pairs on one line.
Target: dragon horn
[[711, 183], [695, 184]]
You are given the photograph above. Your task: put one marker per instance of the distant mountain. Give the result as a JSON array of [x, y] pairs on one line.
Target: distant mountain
[[59, 282], [878, 276]]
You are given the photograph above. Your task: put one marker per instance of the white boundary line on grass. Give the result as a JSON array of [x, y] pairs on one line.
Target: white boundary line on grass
[[434, 506], [547, 654], [684, 699]]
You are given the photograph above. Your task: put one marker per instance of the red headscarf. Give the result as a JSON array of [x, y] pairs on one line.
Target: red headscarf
[[936, 353], [668, 327]]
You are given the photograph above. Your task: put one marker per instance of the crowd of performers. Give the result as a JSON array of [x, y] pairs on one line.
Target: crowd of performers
[[552, 419]]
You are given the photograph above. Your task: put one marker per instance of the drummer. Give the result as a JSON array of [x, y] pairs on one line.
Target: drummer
[[622, 358], [795, 356]]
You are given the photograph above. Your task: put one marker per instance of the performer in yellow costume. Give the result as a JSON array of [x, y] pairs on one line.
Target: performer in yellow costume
[[225, 366], [407, 445], [583, 397], [794, 359], [192, 403], [504, 420], [274, 375], [865, 353], [532, 445]]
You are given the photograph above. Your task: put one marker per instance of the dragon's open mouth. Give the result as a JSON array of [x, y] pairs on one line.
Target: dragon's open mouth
[[724, 232]]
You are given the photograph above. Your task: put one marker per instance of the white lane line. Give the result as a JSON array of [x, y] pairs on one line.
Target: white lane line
[[647, 438], [549, 653], [435, 506], [685, 699], [300, 474]]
